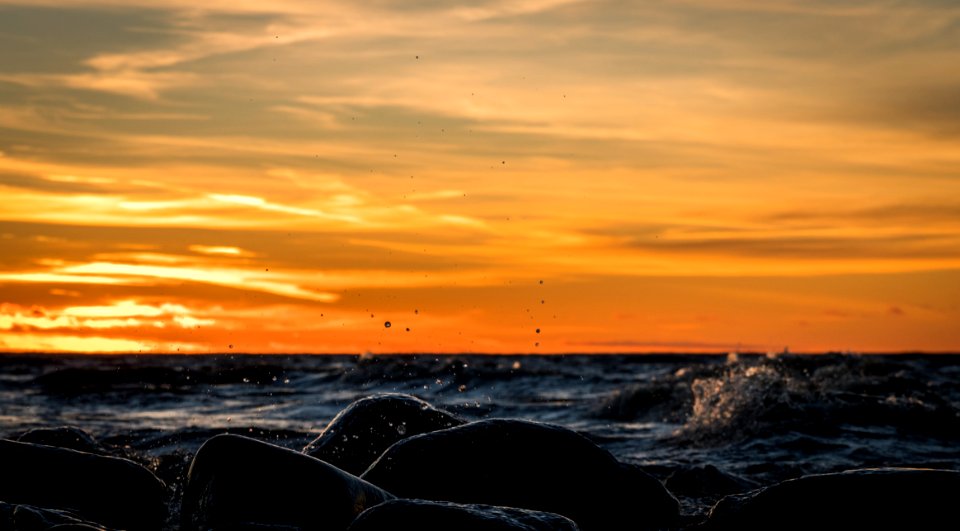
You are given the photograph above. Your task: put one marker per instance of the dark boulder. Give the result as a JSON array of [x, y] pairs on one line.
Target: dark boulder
[[882, 498], [706, 482], [29, 518], [517, 463], [108, 490], [64, 437], [235, 482], [367, 427], [445, 516]]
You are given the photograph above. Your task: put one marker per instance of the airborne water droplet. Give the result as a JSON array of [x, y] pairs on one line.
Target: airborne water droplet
[[387, 324]]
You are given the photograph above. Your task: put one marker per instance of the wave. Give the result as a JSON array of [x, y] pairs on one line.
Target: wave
[[752, 396]]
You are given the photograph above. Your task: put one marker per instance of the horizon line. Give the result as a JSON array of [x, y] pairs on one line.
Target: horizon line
[[491, 354]]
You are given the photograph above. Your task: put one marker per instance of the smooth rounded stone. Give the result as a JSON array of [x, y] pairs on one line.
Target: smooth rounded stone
[[367, 427], [115, 492], [30, 518], [516, 463], [425, 515], [706, 482], [64, 437], [235, 482], [880, 498]]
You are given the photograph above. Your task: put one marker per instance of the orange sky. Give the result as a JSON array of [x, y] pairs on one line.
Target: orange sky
[[513, 176]]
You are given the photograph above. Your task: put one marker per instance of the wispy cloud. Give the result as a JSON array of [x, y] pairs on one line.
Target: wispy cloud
[[219, 250], [302, 160]]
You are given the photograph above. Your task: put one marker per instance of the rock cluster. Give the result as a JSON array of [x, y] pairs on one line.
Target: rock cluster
[[395, 462]]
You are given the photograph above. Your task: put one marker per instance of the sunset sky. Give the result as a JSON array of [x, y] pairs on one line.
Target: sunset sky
[[506, 176]]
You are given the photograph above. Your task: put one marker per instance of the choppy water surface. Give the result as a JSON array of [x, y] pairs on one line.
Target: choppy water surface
[[764, 419]]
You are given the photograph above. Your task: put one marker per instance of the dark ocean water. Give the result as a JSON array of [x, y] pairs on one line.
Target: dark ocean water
[[761, 419]]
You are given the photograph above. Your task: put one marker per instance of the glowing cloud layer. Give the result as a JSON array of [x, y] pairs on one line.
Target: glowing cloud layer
[[288, 176]]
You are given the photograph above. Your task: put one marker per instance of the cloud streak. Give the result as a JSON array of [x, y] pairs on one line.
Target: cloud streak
[[283, 171]]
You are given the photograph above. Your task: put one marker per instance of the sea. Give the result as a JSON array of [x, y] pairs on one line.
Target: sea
[[758, 419]]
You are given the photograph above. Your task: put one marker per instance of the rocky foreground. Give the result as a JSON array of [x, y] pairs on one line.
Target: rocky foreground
[[393, 462]]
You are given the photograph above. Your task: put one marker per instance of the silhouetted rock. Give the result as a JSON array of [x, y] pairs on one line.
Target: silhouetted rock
[[883, 498], [445, 516], [64, 437], [706, 481], [235, 482], [108, 490], [516, 463], [367, 427], [29, 518]]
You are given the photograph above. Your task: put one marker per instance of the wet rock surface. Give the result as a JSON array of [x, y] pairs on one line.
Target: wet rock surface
[[529, 465], [112, 491], [30, 518], [444, 516], [364, 429], [236, 482], [706, 481], [885, 498], [64, 437]]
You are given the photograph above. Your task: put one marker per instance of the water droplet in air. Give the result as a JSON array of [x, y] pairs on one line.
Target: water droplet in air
[[386, 324], [246, 380]]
